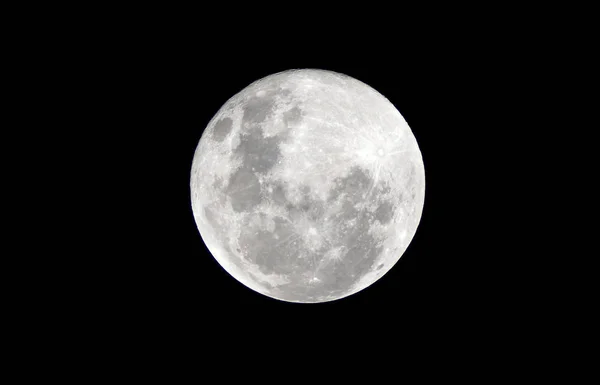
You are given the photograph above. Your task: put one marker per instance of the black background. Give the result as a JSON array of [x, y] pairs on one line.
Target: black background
[[127, 94], [157, 83]]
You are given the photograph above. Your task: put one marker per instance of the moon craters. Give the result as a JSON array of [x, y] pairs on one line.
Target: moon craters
[[302, 191]]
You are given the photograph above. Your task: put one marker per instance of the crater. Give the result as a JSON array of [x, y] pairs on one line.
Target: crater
[[221, 129]]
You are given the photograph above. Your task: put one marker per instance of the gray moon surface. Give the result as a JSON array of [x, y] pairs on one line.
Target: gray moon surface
[[307, 186]]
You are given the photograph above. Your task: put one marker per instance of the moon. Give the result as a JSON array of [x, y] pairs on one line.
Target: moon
[[307, 186]]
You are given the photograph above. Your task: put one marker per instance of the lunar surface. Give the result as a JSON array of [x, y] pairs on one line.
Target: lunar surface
[[307, 186]]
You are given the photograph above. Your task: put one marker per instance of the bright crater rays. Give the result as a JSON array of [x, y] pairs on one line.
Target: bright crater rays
[[307, 186]]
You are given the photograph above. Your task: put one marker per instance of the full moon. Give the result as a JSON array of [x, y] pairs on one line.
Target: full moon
[[307, 186]]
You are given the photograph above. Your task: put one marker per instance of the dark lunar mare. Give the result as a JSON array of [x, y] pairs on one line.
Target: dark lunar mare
[[257, 154], [221, 129]]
